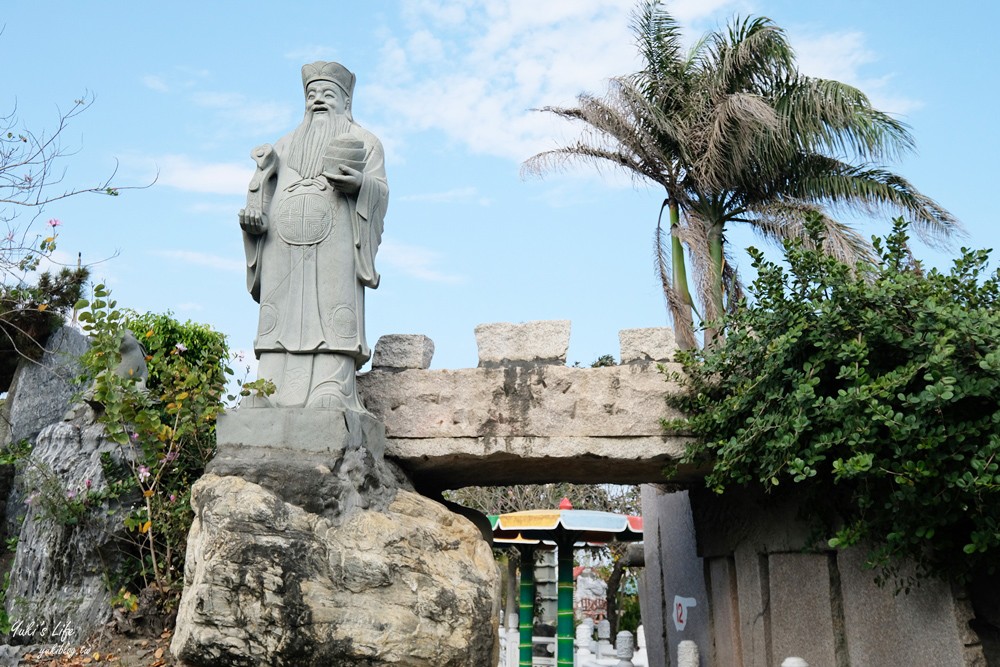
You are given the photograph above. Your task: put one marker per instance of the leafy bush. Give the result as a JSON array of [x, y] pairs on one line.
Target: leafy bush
[[872, 392], [166, 430]]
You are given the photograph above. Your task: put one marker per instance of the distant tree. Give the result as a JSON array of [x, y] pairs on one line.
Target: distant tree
[[734, 133], [871, 396], [505, 499]]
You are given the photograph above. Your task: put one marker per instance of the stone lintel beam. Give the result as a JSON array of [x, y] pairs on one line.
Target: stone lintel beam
[[452, 463], [525, 423]]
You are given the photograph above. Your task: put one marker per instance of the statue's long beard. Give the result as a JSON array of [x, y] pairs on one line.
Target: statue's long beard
[[312, 138]]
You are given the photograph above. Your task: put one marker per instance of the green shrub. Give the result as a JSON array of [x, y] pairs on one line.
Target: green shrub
[[165, 431], [871, 394]]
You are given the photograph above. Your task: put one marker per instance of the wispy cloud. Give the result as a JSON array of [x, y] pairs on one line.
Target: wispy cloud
[[503, 59], [448, 196], [156, 83], [222, 208], [190, 307], [238, 109], [416, 262], [185, 173], [203, 259], [311, 53], [845, 56]]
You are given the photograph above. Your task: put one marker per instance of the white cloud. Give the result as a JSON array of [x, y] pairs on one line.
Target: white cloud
[[425, 47], [844, 56], [473, 71], [184, 173], [415, 261], [156, 83], [501, 60], [204, 259]]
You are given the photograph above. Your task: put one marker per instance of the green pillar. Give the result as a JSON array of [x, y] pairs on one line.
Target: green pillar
[[564, 630], [526, 615]]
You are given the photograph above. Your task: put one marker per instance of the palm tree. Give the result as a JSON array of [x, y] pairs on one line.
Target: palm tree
[[735, 134]]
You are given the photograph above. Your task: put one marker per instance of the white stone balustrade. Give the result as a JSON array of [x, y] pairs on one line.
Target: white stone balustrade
[[640, 659], [624, 649], [687, 654]]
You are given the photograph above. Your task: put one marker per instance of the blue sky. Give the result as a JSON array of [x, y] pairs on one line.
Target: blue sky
[[187, 89]]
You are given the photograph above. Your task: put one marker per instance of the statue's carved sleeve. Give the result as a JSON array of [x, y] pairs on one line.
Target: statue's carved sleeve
[[373, 200], [259, 195]]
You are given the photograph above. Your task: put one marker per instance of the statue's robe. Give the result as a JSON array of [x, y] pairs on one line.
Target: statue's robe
[[309, 270]]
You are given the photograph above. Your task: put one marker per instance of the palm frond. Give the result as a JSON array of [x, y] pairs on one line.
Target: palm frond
[[780, 221], [732, 144], [749, 56], [841, 186], [659, 39], [836, 119]]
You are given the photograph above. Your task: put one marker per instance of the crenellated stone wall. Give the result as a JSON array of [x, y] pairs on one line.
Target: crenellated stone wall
[[523, 416]]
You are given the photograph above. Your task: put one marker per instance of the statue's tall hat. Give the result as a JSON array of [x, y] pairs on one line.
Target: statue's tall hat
[[324, 71]]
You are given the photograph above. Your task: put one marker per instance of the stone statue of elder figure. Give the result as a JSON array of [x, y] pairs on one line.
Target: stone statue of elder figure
[[311, 228]]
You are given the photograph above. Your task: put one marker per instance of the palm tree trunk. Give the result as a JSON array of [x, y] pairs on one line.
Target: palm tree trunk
[[717, 310], [675, 287]]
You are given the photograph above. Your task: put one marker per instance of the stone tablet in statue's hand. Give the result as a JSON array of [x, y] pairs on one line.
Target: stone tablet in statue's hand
[[347, 181], [252, 221]]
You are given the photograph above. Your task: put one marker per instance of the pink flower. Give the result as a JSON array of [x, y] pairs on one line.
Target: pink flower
[[181, 347], [70, 495], [143, 473], [88, 484], [171, 456], [54, 223], [172, 497]]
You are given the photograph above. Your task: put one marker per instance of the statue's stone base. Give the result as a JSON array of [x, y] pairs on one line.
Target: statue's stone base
[[324, 461], [324, 432], [307, 548]]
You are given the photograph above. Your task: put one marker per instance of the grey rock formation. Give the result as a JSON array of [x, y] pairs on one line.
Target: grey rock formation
[[544, 341], [58, 578], [308, 548], [400, 351], [42, 391], [269, 583]]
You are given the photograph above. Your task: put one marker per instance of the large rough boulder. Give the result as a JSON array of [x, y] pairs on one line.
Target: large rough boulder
[[59, 575], [42, 391], [270, 583]]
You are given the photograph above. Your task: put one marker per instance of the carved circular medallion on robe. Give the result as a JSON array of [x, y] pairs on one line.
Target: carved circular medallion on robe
[[268, 319], [304, 219], [344, 322]]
